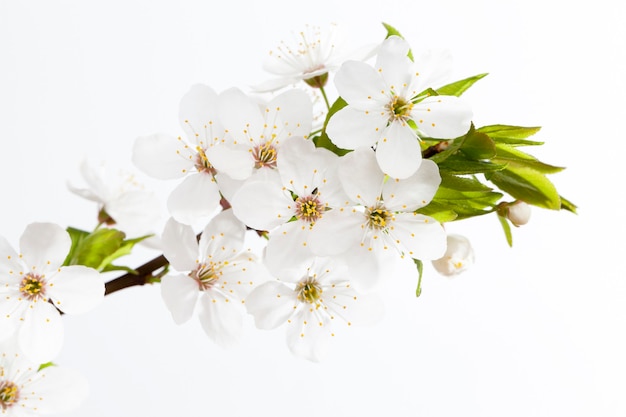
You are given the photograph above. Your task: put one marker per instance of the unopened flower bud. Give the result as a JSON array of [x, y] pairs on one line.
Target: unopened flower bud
[[459, 256], [518, 213]]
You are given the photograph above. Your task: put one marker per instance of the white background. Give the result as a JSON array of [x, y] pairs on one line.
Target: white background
[[537, 330]]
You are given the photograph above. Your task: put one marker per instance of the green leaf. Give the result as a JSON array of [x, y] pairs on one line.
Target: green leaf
[[420, 270], [514, 157], [568, 205], [478, 145], [507, 230], [460, 165], [77, 237], [323, 141], [528, 185], [391, 31], [45, 365], [459, 87], [511, 135]]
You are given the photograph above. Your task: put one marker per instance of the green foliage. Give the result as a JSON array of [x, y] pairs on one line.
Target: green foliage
[[459, 87], [322, 140], [99, 248], [420, 270], [45, 365], [506, 227]]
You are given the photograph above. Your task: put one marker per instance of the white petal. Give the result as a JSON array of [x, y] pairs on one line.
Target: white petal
[[302, 166], [242, 275], [271, 304], [414, 192], [366, 268], [240, 115], [287, 251], [361, 86], [422, 236], [222, 238], [8, 259], [76, 289], [274, 84], [398, 152], [44, 246], [361, 176], [263, 205], [309, 335], [162, 156], [135, 212], [196, 197], [336, 232], [351, 128], [434, 68], [40, 336], [180, 294], [236, 162], [394, 65], [179, 245], [56, 390], [442, 117], [198, 115], [221, 318], [352, 307], [294, 112]]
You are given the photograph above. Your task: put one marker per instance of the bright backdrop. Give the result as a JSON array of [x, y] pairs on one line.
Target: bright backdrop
[[537, 330]]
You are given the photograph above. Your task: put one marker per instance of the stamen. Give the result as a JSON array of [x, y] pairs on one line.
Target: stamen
[[309, 291], [206, 275], [33, 287], [309, 209], [378, 217], [9, 394], [264, 155]]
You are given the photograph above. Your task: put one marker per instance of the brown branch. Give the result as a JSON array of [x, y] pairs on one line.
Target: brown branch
[[144, 275]]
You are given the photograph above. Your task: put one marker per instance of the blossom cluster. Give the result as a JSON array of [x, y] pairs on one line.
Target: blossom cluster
[[335, 205]]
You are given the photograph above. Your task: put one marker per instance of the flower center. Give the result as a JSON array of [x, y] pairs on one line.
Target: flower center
[[33, 287], [399, 108], [264, 155], [202, 163], [309, 291], [206, 276], [9, 394], [377, 217], [309, 209]]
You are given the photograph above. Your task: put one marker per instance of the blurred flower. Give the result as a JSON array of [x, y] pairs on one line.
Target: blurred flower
[[122, 200], [217, 275], [459, 256], [313, 302], [35, 276], [384, 103], [312, 55], [27, 391]]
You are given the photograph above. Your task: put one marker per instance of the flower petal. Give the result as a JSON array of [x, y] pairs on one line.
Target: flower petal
[[398, 152], [394, 65], [294, 112], [336, 232], [9, 259], [57, 390], [180, 294], [287, 252], [198, 115], [361, 176], [351, 128], [414, 192], [309, 334], [422, 236], [442, 117], [236, 162], [135, 212], [302, 166], [44, 246], [196, 197], [263, 205], [221, 318], [40, 336], [361, 86], [271, 304], [222, 238], [240, 115], [162, 156], [179, 245], [76, 289]]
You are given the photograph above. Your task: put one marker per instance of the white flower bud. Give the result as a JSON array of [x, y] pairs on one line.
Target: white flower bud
[[458, 257], [518, 213]]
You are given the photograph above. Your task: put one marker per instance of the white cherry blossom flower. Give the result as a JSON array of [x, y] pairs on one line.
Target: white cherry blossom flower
[[314, 303], [26, 391], [383, 102], [167, 157], [459, 256], [306, 187], [33, 285], [518, 213], [216, 275], [313, 53], [121, 200], [257, 131], [381, 218]]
